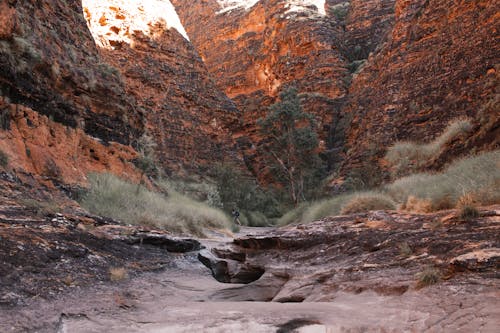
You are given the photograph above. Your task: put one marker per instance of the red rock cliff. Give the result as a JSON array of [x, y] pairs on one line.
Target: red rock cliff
[[70, 105], [185, 112], [254, 51], [437, 63], [63, 110]]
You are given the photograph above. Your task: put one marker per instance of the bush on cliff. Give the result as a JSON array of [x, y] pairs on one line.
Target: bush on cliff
[[129, 203]]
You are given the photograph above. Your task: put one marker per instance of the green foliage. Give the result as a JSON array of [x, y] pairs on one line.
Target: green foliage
[[341, 10], [4, 159], [235, 190], [129, 203], [290, 146], [409, 157]]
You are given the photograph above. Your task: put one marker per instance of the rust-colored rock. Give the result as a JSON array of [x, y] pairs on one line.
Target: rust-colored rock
[[255, 51], [49, 62], [437, 63], [185, 113], [51, 151]]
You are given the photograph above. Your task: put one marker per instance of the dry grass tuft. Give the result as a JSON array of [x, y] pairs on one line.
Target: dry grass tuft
[[405, 249], [117, 274], [134, 204], [41, 208], [408, 157], [468, 213], [367, 201], [475, 178], [428, 277]]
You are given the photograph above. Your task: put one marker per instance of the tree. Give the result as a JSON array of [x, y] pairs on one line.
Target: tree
[[291, 145]]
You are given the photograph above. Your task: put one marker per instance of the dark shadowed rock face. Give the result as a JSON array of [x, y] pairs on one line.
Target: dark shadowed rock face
[[49, 62]]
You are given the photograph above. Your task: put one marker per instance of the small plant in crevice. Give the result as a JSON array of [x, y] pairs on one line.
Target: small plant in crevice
[[41, 208], [405, 249], [4, 159], [146, 162], [428, 276], [468, 213]]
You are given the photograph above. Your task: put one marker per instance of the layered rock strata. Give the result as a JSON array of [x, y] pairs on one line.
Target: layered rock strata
[[185, 113], [64, 111], [438, 63], [255, 49]]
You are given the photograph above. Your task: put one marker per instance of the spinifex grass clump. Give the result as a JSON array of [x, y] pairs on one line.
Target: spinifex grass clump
[[477, 176], [408, 157], [113, 197]]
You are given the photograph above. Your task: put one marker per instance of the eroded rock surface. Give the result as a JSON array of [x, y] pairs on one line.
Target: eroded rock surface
[[254, 50], [50, 246], [382, 252]]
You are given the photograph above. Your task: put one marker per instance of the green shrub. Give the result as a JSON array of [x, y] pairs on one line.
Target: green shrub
[[408, 157], [129, 203], [235, 190], [468, 213], [366, 201], [478, 175], [4, 159]]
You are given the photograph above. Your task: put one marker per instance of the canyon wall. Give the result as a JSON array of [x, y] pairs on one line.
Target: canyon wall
[[77, 101], [254, 49], [185, 112], [439, 62], [63, 110]]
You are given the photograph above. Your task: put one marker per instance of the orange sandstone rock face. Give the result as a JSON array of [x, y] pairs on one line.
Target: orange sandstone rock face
[[438, 63], [256, 48], [53, 152], [185, 113]]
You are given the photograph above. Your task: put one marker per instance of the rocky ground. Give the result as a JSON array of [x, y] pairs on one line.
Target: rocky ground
[[378, 271]]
